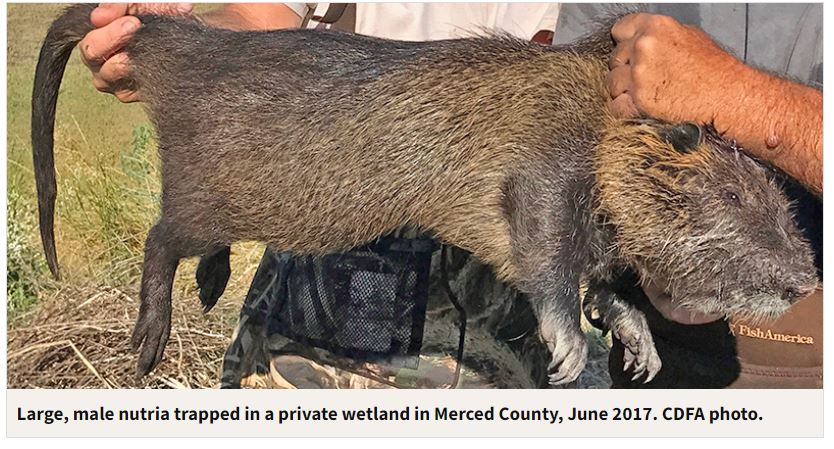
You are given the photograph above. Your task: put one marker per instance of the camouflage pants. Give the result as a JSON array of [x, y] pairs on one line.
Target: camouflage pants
[[502, 349]]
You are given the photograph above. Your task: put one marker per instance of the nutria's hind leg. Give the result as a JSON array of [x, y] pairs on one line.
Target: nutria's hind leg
[[153, 325], [213, 274], [629, 326], [164, 248]]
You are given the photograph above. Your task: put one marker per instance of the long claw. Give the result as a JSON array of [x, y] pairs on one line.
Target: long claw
[[628, 361]]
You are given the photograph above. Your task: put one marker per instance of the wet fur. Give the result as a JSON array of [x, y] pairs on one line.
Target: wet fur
[[316, 142]]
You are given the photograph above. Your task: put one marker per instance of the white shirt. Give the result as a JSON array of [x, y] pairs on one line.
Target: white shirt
[[431, 21]]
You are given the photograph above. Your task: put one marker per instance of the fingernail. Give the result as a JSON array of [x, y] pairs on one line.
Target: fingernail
[[184, 7], [130, 25]]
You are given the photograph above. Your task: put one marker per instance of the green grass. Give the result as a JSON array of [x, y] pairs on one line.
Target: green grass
[[24, 265], [105, 159]]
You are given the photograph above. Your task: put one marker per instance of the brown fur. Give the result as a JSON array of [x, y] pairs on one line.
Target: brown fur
[[448, 180]]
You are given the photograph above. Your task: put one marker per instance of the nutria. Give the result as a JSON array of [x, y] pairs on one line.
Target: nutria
[[317, 141]]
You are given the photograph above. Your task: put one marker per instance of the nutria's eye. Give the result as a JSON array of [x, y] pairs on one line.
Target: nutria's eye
[[731, 198]]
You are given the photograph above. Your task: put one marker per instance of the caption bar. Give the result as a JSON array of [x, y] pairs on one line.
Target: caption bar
[[414, 413]]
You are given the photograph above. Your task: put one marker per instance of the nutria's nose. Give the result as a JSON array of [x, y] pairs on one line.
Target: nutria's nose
[[795, 293]]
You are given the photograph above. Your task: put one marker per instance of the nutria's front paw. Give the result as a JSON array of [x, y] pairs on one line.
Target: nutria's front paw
[[570, 352], [640, 355], [213, 274]]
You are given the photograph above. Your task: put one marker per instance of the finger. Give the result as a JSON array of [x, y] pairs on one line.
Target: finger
[[115, 77], [623, 107], [127, 95], [101, 43], [101, 85], [618, 81], [621, 54], [160, 8], [115, 69], [107, 12], [626, 27], [124, 89]]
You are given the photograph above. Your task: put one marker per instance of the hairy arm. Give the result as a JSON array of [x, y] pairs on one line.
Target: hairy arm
[[779, 121], [675, 72], [101, 49]]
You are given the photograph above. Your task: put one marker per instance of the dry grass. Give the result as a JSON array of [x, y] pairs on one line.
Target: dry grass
[[79, 338]]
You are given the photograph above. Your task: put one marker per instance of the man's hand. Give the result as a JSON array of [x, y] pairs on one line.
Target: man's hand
[[101, 49], [663, 69], [674, 72]]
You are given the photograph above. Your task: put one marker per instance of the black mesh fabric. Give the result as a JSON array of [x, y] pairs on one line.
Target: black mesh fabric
[[368, 303]]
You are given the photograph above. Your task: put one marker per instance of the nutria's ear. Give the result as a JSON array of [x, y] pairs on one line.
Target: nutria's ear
[[684, 137]]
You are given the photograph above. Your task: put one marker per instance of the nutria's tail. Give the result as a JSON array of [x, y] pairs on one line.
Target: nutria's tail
[[62, 37]]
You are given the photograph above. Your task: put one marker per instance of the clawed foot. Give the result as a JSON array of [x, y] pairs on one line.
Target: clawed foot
[[570, 353], [640, 355]]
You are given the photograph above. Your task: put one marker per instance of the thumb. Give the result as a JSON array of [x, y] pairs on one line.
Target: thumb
[[108, 12]]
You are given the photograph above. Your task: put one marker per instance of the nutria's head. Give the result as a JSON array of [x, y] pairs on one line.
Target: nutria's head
[[697, 217]]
